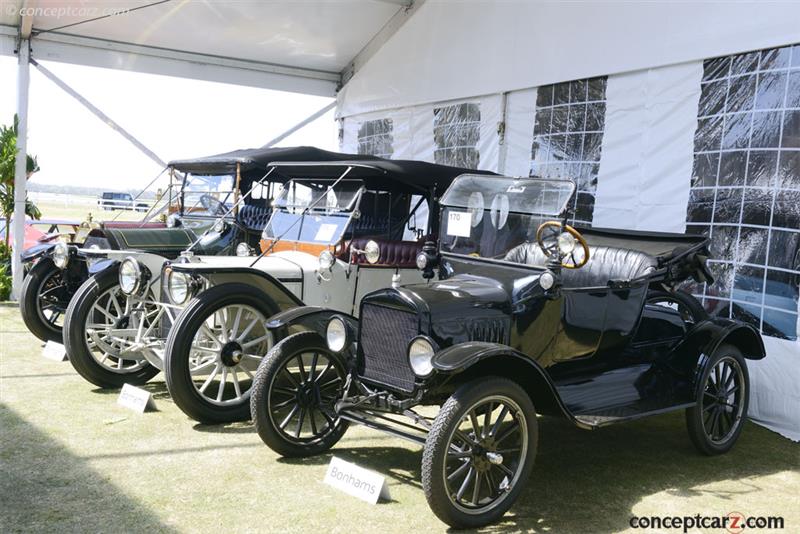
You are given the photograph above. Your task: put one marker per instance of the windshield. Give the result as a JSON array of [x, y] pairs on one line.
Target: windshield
[[326, 220], [205, 194], [488, 216]]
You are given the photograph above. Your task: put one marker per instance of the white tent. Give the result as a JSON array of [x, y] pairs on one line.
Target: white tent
[[668, 114]]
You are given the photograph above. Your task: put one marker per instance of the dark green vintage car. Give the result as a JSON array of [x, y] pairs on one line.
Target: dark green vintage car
[[199, 210]]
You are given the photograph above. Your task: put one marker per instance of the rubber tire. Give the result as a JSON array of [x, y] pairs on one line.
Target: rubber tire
[[692, 304], [259, 411], [28, 306], [75, 339], [694, 415], [434, 452], [181, 335]]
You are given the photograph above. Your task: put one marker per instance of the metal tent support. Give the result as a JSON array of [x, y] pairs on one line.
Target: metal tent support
[[20, 169]]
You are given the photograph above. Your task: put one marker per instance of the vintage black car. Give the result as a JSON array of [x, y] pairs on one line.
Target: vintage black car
[[201, 208], [522, 316]]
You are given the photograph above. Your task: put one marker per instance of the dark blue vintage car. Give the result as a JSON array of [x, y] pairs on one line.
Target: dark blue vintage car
[[522, 315]]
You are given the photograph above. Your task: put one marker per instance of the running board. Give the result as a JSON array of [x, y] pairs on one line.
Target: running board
[[601, 419]]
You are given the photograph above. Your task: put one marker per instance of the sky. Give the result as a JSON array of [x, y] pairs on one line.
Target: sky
[[175, 118]]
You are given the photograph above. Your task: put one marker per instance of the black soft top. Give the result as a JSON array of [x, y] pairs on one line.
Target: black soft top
[[381, 174], [257, 159]]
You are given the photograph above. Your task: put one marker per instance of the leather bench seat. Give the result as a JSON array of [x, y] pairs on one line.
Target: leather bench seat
[[605, 263], [253, 218], [401, 254]]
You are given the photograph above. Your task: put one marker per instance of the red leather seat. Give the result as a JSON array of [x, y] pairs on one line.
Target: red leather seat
[[400, 254]]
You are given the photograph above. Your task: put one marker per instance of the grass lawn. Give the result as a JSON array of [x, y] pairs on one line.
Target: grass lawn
[[78, 208], [72, 460]]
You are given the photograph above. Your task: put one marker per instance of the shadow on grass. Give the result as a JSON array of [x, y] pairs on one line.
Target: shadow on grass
[[594, 479], [158, 390], [45, 488]]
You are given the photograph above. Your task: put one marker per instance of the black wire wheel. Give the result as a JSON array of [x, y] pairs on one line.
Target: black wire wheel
[[43, 301], [213, 350], [689, 308], [716, 422], [100, 338], [479, 452], [294, 393]]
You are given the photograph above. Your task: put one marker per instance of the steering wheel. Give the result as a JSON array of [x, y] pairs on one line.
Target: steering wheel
[[212, 205], [547, 238]]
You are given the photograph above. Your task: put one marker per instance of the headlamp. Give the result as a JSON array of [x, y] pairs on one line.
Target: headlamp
[[243, 249], [326, 260], [336, 334], [372, 252], [179, 286], [420, 354], [130, 276], [61, 255]]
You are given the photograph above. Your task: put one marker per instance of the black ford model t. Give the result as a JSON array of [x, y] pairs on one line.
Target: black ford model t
[[526, 315]]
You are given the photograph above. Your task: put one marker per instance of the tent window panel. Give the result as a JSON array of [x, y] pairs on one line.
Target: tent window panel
[[568, 135], [376, 138], [456, 133], [745, 189]]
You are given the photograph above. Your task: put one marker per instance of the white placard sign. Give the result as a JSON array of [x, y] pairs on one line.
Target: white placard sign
[[326, 232], [459, 223], [135, 399], [356, 481], [54, 351]]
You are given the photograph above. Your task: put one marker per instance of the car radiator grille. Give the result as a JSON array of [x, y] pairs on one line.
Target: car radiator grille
[[385, 335]]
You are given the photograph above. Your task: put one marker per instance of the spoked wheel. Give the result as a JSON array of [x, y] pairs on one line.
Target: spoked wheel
[[479, 452], [43, 301], [689, 308], [213, 351], [294, 393], [101, 334], [716, 421]]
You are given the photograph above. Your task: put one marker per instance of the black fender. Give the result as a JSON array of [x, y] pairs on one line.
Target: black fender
[[35, 252], [714, 331], [101, 265], [474, 359], [260, 280], [313, 318]]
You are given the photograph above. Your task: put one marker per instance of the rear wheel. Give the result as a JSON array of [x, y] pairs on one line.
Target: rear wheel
[[479, 452], [43, 300], [294, 393], [716, 422], [100, 334], [214, 349]]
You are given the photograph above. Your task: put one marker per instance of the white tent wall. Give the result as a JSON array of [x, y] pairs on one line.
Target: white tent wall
[[453, 49], [654, 134]]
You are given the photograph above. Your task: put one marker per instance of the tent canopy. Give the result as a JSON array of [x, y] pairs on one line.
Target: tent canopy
[[293, 46]]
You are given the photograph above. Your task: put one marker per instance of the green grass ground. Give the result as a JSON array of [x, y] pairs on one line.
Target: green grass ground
[[71, 460], [80, 208]]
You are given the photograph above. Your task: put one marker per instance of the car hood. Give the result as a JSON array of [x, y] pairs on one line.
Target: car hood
[[459, 309], [275, 265]]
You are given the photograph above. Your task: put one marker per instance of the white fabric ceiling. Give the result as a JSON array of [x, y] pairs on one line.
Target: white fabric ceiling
[[313, 40]]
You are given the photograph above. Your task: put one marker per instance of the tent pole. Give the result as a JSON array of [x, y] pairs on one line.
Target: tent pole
[[20, 169], [299, 125]]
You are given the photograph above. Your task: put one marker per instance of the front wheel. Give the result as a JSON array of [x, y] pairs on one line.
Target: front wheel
[[294, 392], [43, 300], [214, 348], [100, 334], [479, 452], [716, 421]]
